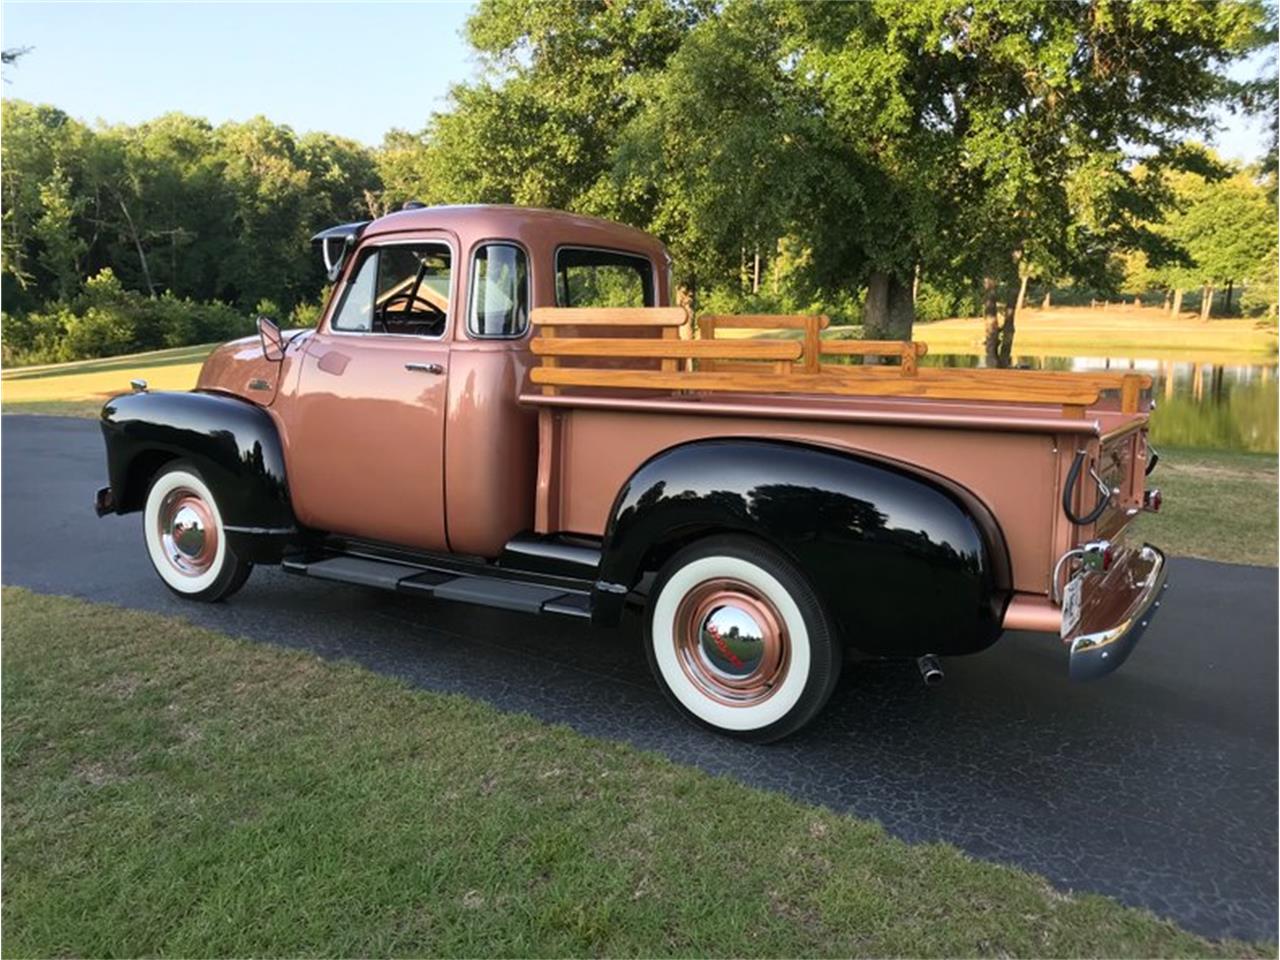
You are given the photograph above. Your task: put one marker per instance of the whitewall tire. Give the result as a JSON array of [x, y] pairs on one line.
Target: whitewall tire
[[738, 641], [186, 539]]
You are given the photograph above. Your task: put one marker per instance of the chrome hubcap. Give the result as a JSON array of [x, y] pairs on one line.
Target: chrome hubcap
[[188, 533], [731, 642]]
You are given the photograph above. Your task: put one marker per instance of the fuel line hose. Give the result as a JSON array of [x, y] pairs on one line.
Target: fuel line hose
[[1068, 494]]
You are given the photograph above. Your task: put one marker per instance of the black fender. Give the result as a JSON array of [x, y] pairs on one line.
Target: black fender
[[906, 562], [233, 443]]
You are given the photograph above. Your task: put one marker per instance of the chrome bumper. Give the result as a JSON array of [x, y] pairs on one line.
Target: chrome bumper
[[1117, 612]]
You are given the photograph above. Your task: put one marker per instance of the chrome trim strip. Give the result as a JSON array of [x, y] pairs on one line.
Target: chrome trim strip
[[1096, 654]]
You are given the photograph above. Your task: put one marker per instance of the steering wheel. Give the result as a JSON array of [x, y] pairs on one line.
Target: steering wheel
[[411, 302]]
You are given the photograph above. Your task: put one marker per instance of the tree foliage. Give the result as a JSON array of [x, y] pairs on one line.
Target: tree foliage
[[860, 159], [172, 206]]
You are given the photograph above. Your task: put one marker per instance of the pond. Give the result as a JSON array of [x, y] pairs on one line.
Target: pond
[[1211, 405]]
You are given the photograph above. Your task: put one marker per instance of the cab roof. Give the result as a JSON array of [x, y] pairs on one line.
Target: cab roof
[[492, 221]]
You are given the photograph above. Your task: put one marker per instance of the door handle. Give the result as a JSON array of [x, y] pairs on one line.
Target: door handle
[[425, 367]]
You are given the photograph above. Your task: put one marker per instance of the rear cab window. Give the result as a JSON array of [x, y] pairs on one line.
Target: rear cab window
[[587, 277], [499, 292]]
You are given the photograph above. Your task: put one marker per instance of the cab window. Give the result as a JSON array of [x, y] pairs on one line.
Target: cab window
[[499, 292], [602, 278], [398, 289]]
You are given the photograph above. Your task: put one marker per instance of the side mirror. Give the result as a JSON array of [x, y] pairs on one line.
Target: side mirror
[[273, 342]]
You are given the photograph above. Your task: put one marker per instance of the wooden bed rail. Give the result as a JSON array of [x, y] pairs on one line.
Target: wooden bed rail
[[811, 323], [908, 352], [760, 365]]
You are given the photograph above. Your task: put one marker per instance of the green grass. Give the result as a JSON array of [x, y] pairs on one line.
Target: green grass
[[80, 388], [171, 791], [1218, 505]]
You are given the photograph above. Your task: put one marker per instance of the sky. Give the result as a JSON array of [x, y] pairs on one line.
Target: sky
[[353, 69]]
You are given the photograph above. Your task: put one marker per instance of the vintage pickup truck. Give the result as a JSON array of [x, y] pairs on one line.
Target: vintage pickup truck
[[500, 406]]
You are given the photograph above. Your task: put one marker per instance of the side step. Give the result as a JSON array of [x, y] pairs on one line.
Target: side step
[[485, 591]]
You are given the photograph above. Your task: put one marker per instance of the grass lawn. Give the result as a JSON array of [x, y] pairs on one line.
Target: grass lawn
[[1114, 332], [171, 791], [1218, 505], [80, 389]]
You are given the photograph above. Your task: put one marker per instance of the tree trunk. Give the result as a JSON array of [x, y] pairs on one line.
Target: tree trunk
[[1168, 300], [1226, 307], [915, 285], [1206, 302], [1022, 293], [1006, 335], [991, 320], [755, 276], [137, 243], [1045, 304], [888, 313], [1177, 303]]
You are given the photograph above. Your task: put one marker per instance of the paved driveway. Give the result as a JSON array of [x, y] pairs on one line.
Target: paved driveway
[[1156, 786]]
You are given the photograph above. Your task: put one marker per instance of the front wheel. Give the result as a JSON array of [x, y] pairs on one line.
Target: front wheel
[[186, 539], [738, 640]]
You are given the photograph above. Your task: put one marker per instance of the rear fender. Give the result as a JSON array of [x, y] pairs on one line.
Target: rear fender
[[906, 562], [233, 443]]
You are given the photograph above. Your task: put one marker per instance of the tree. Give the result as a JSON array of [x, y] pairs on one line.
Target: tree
[[172, 205], [1047, 106], [54, 230], [976, 143], [42, 156], [561, 80], [1227, 226]]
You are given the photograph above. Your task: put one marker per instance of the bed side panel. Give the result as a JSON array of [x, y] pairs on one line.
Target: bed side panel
[[1015, 474]]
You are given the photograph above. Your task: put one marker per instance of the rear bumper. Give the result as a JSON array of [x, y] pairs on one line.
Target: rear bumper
[[1117, 612]]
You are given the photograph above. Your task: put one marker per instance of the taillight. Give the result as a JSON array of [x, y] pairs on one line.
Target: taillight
[[1151, 500], [1098, 555]]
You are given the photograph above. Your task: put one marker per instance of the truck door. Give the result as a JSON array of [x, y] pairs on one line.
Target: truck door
[[365, 428]]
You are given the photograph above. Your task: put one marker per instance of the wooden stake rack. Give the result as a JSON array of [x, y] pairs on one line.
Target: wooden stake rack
[[661, 339]]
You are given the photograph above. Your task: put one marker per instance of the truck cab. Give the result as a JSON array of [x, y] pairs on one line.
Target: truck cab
[[417, 363]]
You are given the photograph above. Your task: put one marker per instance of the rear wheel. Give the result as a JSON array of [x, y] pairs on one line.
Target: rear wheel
[[186, 539], [738, 640]]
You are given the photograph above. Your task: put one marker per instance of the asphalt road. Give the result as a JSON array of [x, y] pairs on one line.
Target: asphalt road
[[1156, 786]]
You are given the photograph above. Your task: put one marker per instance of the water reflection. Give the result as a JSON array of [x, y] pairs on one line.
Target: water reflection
[[1211, 405]]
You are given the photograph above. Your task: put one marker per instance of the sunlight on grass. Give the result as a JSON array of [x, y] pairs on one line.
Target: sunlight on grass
[[99, 379], [1127, 332]]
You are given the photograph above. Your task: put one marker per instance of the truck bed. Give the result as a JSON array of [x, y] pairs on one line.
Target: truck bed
[[1008, 436]]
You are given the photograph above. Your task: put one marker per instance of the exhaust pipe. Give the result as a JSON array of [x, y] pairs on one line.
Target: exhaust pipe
[[930, 670]]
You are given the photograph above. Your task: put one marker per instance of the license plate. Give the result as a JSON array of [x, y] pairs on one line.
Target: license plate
[[1071, 604]]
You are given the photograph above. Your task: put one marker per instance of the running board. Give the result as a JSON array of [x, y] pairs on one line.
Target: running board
[[504, 594]]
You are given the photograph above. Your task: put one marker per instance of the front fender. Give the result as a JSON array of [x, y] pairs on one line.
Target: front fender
[[233, 443], [907, 563]]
